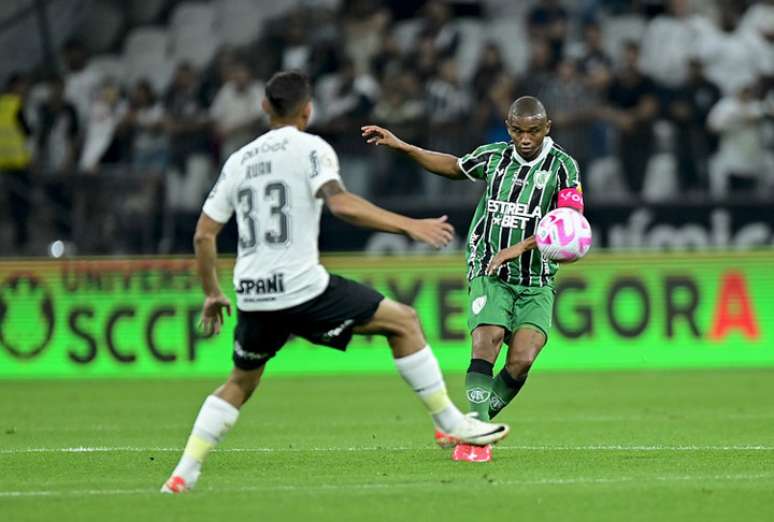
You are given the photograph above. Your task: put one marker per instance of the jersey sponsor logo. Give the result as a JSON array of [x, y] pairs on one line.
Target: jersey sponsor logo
[[267, 147], [478, 304], [262, 286], [478, 395], [512, 215], [570, 197]]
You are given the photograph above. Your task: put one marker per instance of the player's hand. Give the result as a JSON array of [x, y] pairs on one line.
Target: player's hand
[[436, 232], [503, 256], [376, 135], [212, 314]]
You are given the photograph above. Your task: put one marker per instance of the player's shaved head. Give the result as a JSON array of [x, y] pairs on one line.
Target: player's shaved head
[[527, 107], [527, 124], [288, 92]]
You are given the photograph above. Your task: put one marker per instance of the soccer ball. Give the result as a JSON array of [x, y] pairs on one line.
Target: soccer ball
[[563, 235]]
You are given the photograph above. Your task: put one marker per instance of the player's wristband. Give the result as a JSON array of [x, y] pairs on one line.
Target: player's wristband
[[570, 197]]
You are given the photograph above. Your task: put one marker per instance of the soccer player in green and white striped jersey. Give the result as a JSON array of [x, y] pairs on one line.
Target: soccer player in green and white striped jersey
[[510, 283]]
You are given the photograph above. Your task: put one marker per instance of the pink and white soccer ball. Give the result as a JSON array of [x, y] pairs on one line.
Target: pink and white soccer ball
[[563, 235]]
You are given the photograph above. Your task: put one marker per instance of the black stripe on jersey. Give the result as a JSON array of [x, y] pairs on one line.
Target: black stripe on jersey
[[529, 230], [563, 175], [502, 167], [476, 161], [505, 233]]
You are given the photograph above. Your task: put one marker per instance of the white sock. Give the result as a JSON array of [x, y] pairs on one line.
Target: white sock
[[215, 418], [421, 371]]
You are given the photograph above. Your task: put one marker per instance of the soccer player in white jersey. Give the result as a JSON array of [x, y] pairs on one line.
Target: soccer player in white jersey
[[276, 185]]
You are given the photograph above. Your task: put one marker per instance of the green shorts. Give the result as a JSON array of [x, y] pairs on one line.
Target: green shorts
[[495, 302]]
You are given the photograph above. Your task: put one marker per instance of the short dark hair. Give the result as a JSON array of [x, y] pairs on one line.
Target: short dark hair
[[287, 91]]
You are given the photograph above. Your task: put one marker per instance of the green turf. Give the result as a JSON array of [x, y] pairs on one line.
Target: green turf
[[610, 446]]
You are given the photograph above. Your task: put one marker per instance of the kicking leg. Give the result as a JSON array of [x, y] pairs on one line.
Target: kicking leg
[[524, 348], [419, 368], [216, 416]]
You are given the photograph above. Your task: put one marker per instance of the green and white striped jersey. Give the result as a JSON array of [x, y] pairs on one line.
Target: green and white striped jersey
[[519, 193]]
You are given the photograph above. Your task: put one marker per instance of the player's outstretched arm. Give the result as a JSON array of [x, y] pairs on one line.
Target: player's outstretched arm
[[358, 211], [436, 162], [205, 246]]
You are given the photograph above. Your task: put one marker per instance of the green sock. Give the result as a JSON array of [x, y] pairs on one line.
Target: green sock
[[504, 389], [478, 387]]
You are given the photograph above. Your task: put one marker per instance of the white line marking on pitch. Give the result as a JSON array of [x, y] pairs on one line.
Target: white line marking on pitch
[[119, 449], [396, 485]]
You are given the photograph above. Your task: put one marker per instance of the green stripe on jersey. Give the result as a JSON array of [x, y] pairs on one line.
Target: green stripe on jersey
[[518, 195]]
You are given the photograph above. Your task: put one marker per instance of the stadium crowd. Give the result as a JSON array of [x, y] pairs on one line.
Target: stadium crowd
[[658, 100]]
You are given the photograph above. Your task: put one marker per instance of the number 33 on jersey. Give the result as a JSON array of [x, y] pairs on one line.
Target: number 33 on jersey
[[271, 184]]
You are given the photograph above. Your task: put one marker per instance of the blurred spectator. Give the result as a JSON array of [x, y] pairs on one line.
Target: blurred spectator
[[388, 59], [571, 108], [345, 100], [236, 111], [548, 20], [423, 60], [344, 103], [669, 42], [740, 164], [15, 157], [633, 109], [437, 28], [540, 70], [101, 143], [448, 105], [490, 66], [731, 54], [594, 62], [146, 119], [758, 21], [216, 74], [82, 84], [365, 23], [490, 112], [188, 125], [688, 107], [401, 109], [58, 129]]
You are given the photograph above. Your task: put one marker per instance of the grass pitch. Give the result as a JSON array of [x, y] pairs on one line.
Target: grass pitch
[[606, 446]]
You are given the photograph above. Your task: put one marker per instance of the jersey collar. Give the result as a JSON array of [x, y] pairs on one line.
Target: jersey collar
[[547, 144]]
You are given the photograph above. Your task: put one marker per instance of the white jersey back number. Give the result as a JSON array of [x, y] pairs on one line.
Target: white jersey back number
[[271, 184]]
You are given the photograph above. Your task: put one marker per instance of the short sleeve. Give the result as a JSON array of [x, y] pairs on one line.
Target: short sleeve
[[473, 165], [220, 204], [323, 165]]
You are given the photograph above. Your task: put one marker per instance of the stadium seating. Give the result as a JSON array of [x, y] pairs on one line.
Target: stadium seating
[[510, 34], [109, 66], [146, 56], [193, 35]]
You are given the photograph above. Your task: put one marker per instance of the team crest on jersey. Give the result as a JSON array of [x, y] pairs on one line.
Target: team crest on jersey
[[478, 304], [541, 178]]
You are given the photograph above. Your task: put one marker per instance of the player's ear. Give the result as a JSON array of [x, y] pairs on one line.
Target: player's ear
[[266, 106], [308, 111], [548, 126]]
